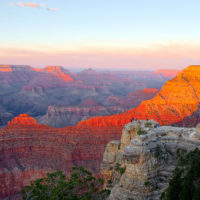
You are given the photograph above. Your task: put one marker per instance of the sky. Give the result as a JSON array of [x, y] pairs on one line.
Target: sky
[[101, 34]]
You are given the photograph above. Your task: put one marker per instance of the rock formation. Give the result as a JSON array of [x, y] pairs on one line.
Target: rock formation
[[29, 150], [23, 119], [61, 116], [167, 72], [60, 72], [25, 89], [140, 164], [177, 99]]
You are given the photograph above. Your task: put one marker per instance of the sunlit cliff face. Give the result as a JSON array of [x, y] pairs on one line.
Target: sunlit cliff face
[[54, 70], [58, 71], [23, 119], [177, 99], [5, 68]]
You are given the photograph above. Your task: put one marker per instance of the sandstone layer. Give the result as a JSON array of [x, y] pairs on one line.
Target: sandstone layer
[[29, 150], [139, 166]]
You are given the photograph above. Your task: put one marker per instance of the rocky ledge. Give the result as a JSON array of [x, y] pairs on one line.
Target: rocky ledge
[[139, 166]]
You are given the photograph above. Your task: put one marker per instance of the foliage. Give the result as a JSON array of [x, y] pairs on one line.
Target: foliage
[[147, 183], [117, 166], [141, 132], [148, 124], [82, 185], [185, 181], [120, 169]]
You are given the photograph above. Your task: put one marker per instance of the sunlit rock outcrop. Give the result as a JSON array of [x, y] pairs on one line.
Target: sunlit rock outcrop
[[177, 99]]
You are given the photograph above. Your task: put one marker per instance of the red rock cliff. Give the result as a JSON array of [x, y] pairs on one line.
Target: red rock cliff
[[177, 99], [28, 150]]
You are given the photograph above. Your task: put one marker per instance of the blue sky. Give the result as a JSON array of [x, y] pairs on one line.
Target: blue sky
[[92, 33]]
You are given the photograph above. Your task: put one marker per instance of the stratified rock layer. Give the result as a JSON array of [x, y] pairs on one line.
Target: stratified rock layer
[[139, 166], [177, 99], [28, 150], [25, 89]]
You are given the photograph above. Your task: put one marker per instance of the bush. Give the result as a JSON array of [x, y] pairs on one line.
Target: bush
[[141, 132], [120, 169], [147, 183], [117, 167], [185, 181], [55, 186], [148, 124]]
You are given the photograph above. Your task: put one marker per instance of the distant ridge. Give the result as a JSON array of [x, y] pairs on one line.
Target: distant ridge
[[177, 99]]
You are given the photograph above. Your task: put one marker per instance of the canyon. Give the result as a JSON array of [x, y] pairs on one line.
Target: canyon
[[29, 149], [55, 92], [61, 116], [177, 100]]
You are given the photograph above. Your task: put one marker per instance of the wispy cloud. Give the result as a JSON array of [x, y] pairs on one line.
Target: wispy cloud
[[33, 5], [52, 9]]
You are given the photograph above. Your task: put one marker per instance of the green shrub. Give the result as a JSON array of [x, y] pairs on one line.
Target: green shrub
[[122, 170], [148, 124], [147, 183], [141, 132], [82, 185], [117, 167]]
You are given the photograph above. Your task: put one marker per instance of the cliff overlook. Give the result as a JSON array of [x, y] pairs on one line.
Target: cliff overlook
[[140, 165]]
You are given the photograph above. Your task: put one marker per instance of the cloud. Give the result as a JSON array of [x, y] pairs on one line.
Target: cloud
[[29, 4], [33, 5], [52, 9], [43, 5], [12, 4]]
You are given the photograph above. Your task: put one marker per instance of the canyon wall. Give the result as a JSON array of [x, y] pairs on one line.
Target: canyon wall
[[61, 116], [55, 92], [29, 150], [177, 99]]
